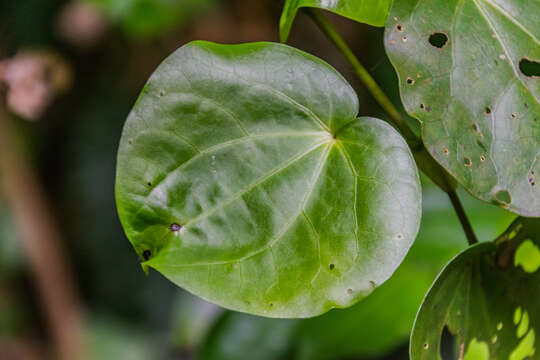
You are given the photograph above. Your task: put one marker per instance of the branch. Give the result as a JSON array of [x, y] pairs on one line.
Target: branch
[[41, 242]]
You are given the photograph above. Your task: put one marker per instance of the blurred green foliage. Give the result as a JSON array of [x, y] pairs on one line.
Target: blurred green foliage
[[142, 18]]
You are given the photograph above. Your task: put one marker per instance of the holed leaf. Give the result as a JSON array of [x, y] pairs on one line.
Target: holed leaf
[[364, 11], [245, 177], [484, 304], [465, 72]]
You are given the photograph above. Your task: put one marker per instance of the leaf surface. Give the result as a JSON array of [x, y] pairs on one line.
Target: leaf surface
[[363, 330], [245, 177], [464, 74], [484, 304], [371, 12]]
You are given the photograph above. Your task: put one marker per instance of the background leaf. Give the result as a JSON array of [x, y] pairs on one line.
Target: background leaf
[[245, 177], [143, 18], [364, 11], [485, 302], [459, 69]]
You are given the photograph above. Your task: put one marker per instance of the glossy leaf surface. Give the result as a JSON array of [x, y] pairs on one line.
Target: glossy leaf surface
[[245, 177], [484, 305], [372, 12], [461, 70], [363, 330]]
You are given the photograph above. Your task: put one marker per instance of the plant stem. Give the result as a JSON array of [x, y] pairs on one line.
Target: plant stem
[[42, 244], [460, 211], [425, 161]]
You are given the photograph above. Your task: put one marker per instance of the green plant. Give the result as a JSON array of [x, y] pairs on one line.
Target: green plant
[[246, 176]]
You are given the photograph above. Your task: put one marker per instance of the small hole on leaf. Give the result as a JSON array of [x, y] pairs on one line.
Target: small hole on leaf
[[503, 196], [349, 291], [530, 68], [399, 28], [422, 106], [514, 116], [271, 304], [373, 283], [332, 266], [404, 39], [161, 93], [446, 151], [532, 181], [149, 183], [175, 227], [475, 128], [130, 142], [438, 40], [487, 110], [426, 346], [146, 255], [482, 158], [410, 81], [467, 161]]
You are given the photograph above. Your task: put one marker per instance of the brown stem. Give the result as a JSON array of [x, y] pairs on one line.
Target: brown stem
[[465, 224], [41, 242]]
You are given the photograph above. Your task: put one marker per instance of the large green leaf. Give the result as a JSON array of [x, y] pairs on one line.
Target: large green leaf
[[245, 177], [372, 12], [484, 305], [461, 69], [364, 330]]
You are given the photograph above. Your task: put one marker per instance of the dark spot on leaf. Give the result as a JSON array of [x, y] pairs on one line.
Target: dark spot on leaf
[[271, 304], [503, 196], [399, 28], [130, 142], [467, 161], [373, 284], [428, 108], [532, 181], [146, 255], [332, 266], [446, 151], [530, 68], [487, 110], [526, 105], [438, 40], [422, 106], [149, 184], [175, 227], [410, 81], [448, 344], [349, 291]]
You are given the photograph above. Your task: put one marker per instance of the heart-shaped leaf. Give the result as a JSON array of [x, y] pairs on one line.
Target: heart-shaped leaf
[[467, 71], [484, 304], [245, 177], [364, 11]]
